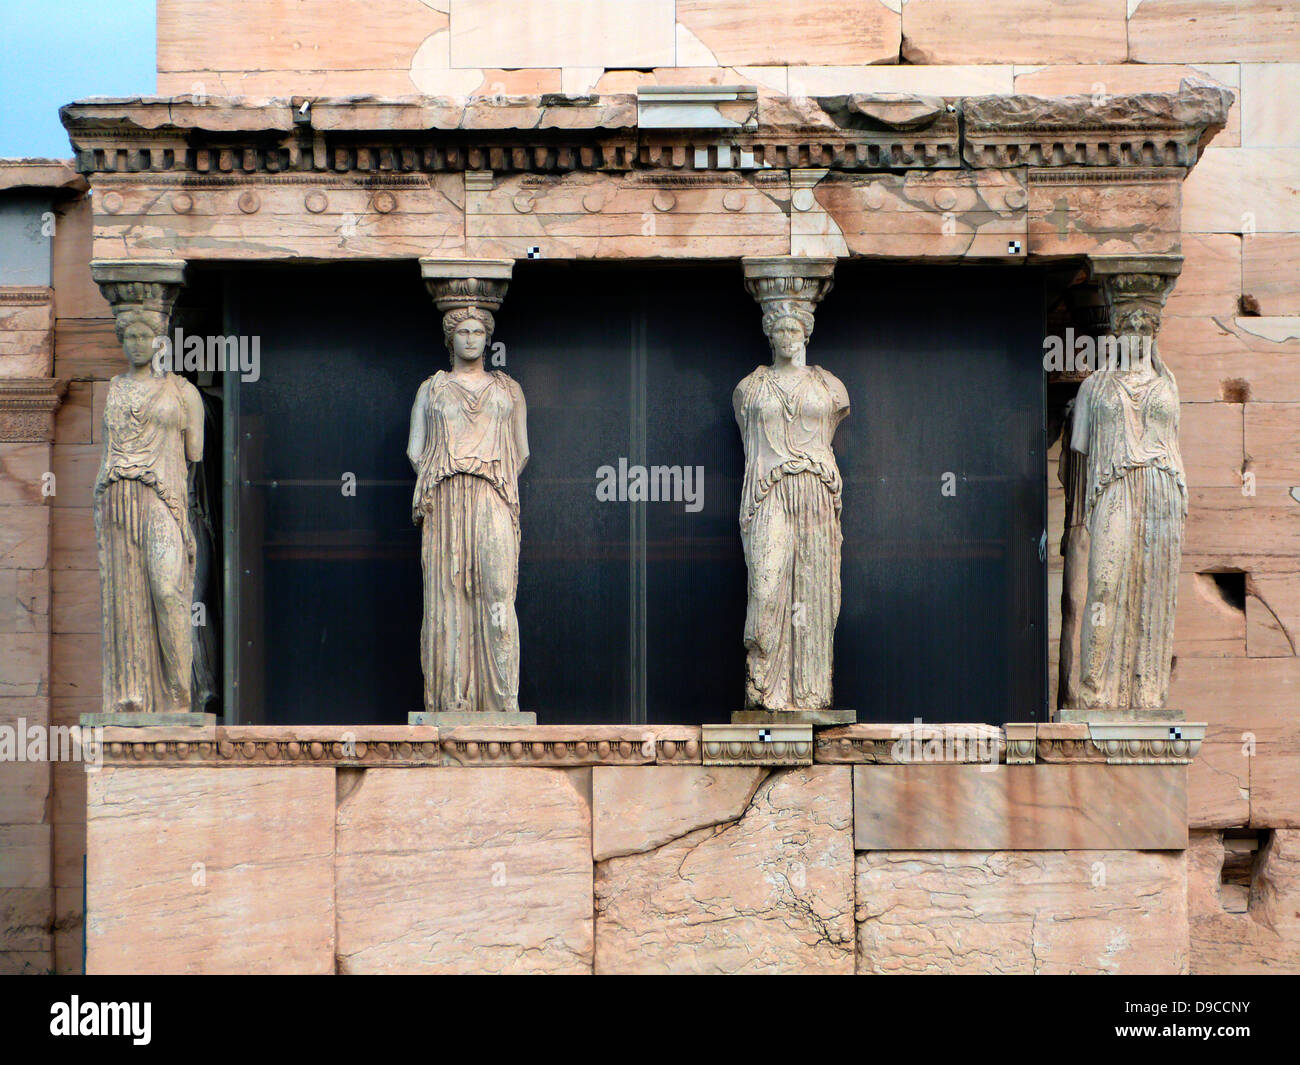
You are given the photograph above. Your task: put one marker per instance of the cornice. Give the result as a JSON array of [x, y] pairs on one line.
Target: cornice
[[377, 137], [576, 746], [27, 406], [1127, 743], [398, 746], [56, 176], [25, 295]]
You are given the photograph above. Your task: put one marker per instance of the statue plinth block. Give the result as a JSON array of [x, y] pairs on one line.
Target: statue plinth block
[[450, 719], [756, 744], [160, 720], [1099, 715], [796, 716]]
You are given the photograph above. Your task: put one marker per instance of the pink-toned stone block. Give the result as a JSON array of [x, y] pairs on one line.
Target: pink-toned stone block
[[69, 921], [464, 871], [1210, 282], [1269, 118], [1270, 268], [1273, 442], [595, 215], [1218, 784], [22, 473], [943, 215], [1217, 360], [24, 786], [1266, 938], [640, 809], [1207, 625], [577, 33], [24, 537], [1103, 212], [720, 885], [24, 856], [789, 31], [402, 220], [24, 663], [1027, 912], [1212, 31], [1019, 807], [1243, 190], [1014, 31], [210, 871], [25, 963], [26, 919], [1252, 702], [268, 35], [24, 600]]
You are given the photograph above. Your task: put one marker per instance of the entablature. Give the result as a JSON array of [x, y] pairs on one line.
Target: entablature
[[668, 175], [554, 133]]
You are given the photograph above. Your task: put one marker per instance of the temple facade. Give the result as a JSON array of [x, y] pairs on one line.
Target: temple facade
[[659, 486]]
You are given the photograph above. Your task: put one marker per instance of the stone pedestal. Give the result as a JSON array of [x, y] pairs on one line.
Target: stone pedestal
[[148, 720], [1084, 716], [819, 718], [450, 719], [757, 744]]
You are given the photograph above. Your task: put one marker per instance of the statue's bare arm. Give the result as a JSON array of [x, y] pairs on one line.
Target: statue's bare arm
[[415, 442], [193, 422], [519, 421], [840, 394], [1079, 432]]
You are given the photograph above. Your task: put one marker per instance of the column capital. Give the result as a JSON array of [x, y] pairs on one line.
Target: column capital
[[1136, 280], [459, 283], [140, 284], [788, 284]]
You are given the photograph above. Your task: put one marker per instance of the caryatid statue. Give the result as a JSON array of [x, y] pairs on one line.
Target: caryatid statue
[[1125, 428], [468, 443], [153, 428], [791, 495]]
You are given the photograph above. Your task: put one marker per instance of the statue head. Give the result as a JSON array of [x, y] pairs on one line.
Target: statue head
[[1138, 323], [467, 332], [788, 330], [138, 330]]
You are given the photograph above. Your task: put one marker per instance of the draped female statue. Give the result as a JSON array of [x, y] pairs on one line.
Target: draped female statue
[[1134, 506], [468, 442], [790, 516], [153, 426]]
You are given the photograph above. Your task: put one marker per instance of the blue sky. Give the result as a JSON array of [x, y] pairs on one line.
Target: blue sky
[[55, 51]]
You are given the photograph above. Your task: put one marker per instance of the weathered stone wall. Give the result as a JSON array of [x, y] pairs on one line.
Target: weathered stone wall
[[286, 850], [1022, 912], [1258, 930], [40, 895]]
